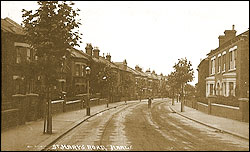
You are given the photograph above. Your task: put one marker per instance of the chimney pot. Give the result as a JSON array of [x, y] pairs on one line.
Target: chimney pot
[[108, 57], [96, 52], [88, 49], [137, 68]]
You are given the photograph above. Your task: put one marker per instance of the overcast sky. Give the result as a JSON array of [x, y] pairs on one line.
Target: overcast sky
[[151, 34]]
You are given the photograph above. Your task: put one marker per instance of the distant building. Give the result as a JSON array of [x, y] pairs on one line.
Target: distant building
[[229, 66], [76, 75], [203, 72], [127, 80], [106, 75]]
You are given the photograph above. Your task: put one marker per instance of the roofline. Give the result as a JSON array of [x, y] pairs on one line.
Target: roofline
[[227, 43]]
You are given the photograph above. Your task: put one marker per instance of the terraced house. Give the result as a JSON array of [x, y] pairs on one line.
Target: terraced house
[[23, 87], [229, 65], [16, 56], [19, 77], [141, 82]]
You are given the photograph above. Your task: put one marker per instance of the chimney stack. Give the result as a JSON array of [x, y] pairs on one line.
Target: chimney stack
[[137, 68], [108, 57], [96, 52], [88, 49], [229, 34], [221, 39]]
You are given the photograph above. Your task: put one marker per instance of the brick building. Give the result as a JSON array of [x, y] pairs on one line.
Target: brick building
[[203, 72], [76, 75], [127, 80], [229, 65], [17, 60], [24, 88], [141, 82], [20, 78]]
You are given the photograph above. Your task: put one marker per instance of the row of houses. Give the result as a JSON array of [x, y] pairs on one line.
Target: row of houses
[[19, 75], [225, 70]]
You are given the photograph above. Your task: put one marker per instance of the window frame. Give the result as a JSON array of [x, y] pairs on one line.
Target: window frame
[[213, 65]]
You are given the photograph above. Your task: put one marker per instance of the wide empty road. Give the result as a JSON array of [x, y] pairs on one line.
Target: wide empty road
[[138, 128]]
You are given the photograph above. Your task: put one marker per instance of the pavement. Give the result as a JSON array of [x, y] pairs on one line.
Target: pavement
[[30, 137], [233, 127]]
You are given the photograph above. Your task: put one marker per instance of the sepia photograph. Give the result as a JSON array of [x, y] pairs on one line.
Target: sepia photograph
[[125, 75]]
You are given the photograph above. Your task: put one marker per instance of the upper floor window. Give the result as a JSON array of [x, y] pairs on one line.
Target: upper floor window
[[83, 70], [23, 52], [235, 57], [224, 61], [219, 63], [232, 58], [77, 69], [213, 65], [18, 55]]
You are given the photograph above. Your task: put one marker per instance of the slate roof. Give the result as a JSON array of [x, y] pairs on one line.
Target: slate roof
[[132, 71], [8, 25], [120, 66], [78, 54], [106, 62]]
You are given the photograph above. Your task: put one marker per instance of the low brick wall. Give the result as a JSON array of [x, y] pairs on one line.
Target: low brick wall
[[103, 101], [22, 105], [202, 107], [244, 106], [73, 105], [9, 114], [94, 102], [116, 98], [33, 106], [57, 106], [189, 103], [8, 105], [226, 111], [221, 110], [9, 118]]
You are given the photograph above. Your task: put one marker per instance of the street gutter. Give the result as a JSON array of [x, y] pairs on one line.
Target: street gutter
[[71, 128], [220, 130]]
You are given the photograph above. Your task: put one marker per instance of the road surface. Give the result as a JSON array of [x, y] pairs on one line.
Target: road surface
[[138, 128]]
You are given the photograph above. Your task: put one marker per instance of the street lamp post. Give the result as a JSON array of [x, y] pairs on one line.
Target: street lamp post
[[49, 118], [111, 91], [140, 91], [88, 98], [105, 79]]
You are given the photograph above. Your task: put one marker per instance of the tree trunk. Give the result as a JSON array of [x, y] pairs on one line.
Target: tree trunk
[[182, 97], [173, 98]]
